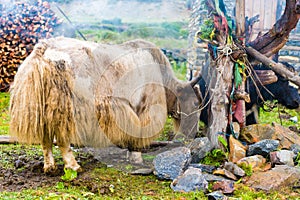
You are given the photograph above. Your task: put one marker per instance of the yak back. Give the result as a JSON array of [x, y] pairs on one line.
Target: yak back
[[88, 94]]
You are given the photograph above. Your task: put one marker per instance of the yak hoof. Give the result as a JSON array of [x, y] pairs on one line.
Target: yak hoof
[[51, 169], [135, 157], [76, 168]]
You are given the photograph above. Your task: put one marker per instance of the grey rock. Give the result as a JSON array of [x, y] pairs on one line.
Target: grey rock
[[211, 177], [263, 147], [295, 148], [191, 180], [233, 168], [283, 157], [216, 195], [142, 171], [203, 167], [170, 164], [199, 148]]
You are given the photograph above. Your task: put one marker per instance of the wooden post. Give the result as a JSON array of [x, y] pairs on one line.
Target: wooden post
[[240, 32], [240, 19]]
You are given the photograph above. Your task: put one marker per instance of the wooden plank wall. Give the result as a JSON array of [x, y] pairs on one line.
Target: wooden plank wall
[[267, 14]]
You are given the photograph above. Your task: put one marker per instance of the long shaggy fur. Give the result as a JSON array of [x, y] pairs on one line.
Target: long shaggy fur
[[88, 94]]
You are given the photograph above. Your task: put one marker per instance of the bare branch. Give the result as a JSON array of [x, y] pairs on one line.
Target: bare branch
[[272, 41]]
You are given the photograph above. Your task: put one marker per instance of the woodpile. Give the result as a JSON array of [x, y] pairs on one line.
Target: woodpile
[[21, 27]]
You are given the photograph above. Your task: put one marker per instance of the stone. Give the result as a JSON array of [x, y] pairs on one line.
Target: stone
[[199, 148], [225, 173], [233, 168], [226, 186], [170, 164], [257, 162], [191, 180], [257, 132], [237, 150], [142, 171], [236, 129], [203, 167], [283, 157], [263, 147], [278, 177], [216, 195], [295, 148], [211, 177]]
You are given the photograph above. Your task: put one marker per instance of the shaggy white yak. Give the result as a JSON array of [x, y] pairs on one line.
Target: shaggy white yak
[[91, 94]]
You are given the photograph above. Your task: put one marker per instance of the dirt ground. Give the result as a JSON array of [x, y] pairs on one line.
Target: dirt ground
[[28, 172]]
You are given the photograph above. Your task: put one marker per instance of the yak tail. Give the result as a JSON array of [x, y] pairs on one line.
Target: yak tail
[[41, 100]]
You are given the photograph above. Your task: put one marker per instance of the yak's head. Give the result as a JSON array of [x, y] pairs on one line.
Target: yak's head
[[186, 109]]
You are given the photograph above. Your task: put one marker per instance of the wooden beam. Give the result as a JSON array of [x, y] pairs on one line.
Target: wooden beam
[[277, 67]]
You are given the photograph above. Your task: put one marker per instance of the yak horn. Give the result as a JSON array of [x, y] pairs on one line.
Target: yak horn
[[195, 81]]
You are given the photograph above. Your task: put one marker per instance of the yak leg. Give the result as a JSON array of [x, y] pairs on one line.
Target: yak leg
[[68, 157], [135, 157], [49, 163]]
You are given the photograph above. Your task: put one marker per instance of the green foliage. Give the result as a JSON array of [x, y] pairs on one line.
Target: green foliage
[[69, 174], [166, 34], [60, 185], [215, 158], [179, 70], [206, 29], [297, 159], [247, 168], [223, 141]]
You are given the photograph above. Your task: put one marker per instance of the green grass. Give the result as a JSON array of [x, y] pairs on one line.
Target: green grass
[[4, 116], [281, 116], [166, 35]]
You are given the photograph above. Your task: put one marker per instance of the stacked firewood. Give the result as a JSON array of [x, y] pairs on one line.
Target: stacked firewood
[[21, 27]]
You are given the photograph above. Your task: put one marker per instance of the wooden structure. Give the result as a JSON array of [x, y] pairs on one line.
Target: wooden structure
[[268, 10]]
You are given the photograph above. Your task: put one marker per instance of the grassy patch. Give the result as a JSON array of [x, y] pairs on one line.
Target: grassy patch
[[4, 116], [167, 34], [280, 115]]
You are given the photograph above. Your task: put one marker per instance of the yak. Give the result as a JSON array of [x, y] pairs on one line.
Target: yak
[[281, 90], [85, 93]]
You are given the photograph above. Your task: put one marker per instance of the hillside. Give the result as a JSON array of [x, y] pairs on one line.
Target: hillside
[[81, 11]]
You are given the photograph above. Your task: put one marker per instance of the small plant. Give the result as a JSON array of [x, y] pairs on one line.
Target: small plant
[[206, 30], [247, 168], [60, 185], [69, 175], [216, 157]]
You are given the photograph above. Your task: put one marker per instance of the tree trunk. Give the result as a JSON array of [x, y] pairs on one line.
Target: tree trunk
[[219, 90], [240, 32]]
